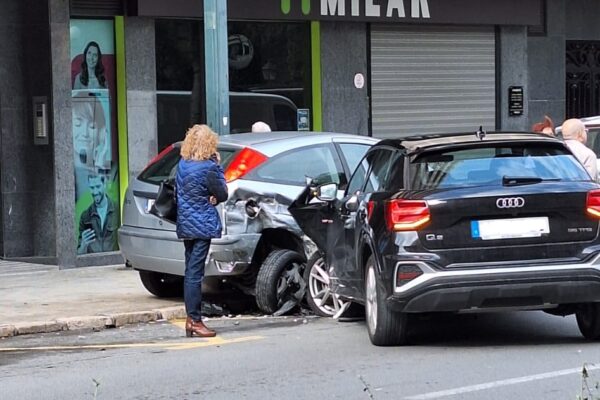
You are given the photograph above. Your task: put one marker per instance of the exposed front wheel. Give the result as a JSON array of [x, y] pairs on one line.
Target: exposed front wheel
[[162, 285], [588, 320], [280, 286], [386, 327]]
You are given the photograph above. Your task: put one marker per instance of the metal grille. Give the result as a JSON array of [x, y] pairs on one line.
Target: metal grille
[[583, 79], [97, 8], [432, 79]]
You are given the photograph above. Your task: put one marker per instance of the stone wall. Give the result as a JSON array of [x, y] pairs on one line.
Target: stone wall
[[344, 54]]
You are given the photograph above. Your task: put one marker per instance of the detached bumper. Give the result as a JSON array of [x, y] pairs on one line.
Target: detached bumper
[[162, 251], [508, 287]]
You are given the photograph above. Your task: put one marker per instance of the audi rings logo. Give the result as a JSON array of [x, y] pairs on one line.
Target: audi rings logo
[[510, 202]]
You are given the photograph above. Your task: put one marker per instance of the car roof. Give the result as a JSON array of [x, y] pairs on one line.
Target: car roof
[[275, 142], [415, 144]]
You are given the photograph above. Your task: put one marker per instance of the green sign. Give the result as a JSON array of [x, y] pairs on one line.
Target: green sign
[[286, 6]]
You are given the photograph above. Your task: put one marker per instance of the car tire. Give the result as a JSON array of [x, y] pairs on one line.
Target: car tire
[[162, 285], [385, 327], [588, 320], [318, 291], [280, 286]]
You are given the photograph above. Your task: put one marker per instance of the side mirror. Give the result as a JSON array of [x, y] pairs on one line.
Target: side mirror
[[327, 192]]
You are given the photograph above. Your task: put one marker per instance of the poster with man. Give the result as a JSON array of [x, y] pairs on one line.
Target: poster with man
[[94, 135]]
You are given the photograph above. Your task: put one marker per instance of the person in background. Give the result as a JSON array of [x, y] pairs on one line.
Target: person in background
[[546, 126], [260, 126], [91, 139], [99, 223], [92, 70], [575, 135], [200, 186], [91, 142]]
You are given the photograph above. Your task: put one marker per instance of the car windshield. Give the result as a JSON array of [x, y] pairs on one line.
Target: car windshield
[[166, 166], [490, 164]]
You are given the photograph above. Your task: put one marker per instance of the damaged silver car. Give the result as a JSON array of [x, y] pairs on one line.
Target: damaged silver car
[[262, 251]]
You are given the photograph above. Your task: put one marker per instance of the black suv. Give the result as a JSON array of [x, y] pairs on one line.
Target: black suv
[[461, 222]]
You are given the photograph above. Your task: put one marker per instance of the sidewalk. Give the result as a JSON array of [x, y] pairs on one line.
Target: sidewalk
[[38, 298]]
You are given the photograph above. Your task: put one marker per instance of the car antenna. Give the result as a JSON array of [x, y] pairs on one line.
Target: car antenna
[[480, 133]]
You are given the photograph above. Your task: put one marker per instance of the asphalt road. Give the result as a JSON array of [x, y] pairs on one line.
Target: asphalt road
[[528, 355]]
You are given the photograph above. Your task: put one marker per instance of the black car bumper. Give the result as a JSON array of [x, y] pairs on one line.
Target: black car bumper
[[539, 286]]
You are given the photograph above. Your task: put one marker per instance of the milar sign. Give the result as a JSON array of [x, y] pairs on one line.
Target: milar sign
[[393, 8], [467, 12]]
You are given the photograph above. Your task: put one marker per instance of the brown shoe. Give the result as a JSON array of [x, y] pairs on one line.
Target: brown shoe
[[197, 328]]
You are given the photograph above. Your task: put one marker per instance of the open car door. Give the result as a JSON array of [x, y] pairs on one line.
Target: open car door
[[316, 218]]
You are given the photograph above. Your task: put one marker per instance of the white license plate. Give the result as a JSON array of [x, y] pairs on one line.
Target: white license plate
[[510, 228], [149, 205]]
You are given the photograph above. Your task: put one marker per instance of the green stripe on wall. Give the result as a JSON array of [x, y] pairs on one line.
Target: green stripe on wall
[[122, 107], [315, 45]]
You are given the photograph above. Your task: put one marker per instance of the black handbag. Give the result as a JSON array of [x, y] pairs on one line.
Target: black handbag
[[165, 205]]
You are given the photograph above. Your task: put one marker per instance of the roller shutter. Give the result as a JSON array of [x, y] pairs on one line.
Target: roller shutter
[[432, 79]]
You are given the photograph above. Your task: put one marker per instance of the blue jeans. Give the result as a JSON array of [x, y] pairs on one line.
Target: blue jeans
[[196, 251]]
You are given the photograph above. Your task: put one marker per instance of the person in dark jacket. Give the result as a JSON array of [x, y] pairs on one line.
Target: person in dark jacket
[[200, 186]]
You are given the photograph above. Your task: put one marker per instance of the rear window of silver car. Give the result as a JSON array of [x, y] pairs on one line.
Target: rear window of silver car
[[488, 165], [166, 167]]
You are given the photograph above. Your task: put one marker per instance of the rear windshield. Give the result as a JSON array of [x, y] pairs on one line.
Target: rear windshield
[[166, 166], [488, 165]]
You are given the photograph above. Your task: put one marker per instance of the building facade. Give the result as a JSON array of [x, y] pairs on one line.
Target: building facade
[[91, 91]]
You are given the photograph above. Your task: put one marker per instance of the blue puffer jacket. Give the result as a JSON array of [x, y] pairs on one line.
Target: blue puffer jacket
[[196, 181]]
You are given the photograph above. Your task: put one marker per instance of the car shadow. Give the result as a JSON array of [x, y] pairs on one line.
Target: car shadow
[[492, 329]]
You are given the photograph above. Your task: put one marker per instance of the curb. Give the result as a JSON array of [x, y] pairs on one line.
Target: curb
[[94, 322]]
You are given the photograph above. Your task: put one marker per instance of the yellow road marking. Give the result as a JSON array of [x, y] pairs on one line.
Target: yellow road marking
[[189, 344], [180, 323], [216, 341]]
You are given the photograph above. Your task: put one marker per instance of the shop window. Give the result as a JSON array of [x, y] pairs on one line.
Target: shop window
[[180, 93], [271, 58], [285, 118], [269, 75]]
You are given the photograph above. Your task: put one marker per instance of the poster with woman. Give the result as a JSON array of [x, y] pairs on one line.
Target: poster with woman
[[94, 135]]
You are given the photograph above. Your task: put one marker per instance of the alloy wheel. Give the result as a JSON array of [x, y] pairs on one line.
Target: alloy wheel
[[371, 295], [320, 289]]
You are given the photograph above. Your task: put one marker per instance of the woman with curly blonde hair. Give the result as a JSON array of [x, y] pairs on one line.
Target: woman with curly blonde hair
[[200, 186]]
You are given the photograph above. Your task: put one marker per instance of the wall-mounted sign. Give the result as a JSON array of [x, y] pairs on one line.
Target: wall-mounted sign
[[359, 81], [303, 119], [95, 136], [515, 101], [468, 12]]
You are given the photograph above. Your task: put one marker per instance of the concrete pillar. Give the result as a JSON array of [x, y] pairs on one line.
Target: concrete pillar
[[216, 66], [345, 108], [513, 72], [61, 136], [546, 67], [141, 92]]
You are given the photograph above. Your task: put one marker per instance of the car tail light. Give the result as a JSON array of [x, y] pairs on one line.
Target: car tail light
[[592, 204], [406, 215], [406, 273], [244, 162]]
